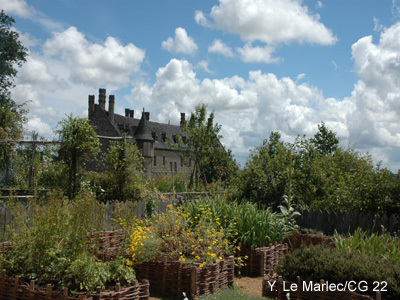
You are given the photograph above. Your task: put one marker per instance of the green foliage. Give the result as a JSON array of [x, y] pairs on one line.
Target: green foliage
[[78, 141], [338, 266], [249, 225], [124, 170], [200, 143], [53, 246], [380, 245], [12, 54], [316, 173]]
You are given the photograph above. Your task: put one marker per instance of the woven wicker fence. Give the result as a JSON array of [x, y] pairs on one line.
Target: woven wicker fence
[[172, 278], [14, 289], [281, 290], [108, 244], [296, 240], [261, 261]]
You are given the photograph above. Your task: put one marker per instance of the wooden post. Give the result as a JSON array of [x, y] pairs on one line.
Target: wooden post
[[193, 280], [31, 289], [251, 260], [378, 295], [49, 288], [299, 287], [117, 289], [32, 168], [65, 293], [322, 281], [262, 263]]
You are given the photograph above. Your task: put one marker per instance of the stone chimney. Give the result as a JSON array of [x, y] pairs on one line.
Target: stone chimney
[[111, 105], [91, 105], [183, 121], [147, 115], [131, 113], [102, 98], [127, 111]]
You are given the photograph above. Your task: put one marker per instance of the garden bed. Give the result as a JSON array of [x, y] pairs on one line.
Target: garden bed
[[108, 244], [277, 292], [173, 278], [261, 261], [15, 289]]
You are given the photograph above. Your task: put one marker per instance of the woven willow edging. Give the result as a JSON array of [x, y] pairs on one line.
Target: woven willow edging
[[296, 240], [261, 261], [4, 247], [173, 278], [108, 244], [277, 292], [14, 289]]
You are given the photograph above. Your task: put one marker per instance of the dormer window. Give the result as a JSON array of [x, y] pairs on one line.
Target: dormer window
[[153, 134], [164, 137], [174, 138]]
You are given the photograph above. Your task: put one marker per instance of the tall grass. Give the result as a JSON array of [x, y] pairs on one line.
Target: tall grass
[[251, 226], [381, 245]]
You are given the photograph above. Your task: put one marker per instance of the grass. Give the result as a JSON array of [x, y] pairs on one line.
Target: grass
[[231, 294]]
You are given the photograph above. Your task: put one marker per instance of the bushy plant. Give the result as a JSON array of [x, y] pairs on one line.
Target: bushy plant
[[380, 245], [249, 225], [53, 246], [338, 266]]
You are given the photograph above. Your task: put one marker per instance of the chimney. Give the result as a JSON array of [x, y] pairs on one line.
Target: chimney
[[147, 114], [102, 98], [183, 121], [111, 105], [127, 110], [91, 105], [131, 113]]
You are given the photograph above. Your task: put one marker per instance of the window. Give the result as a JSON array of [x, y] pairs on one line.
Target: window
[[181, 162], [155, 160], [153, 134], [170, 166], [164, 137], [163, 160], [175, 167]]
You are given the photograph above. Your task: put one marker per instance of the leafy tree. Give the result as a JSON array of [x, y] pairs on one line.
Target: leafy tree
[[12, 54], [78, 141], [266, 177], [124, 170], [200, 144], [12, 116], [325, 140]]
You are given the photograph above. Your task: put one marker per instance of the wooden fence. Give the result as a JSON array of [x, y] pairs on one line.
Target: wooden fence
[[343, 222]]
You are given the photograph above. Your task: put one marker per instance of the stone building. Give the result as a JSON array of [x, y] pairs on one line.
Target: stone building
[[150, 137]]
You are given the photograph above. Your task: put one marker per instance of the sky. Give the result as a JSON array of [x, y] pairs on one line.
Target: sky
[[259, 65]]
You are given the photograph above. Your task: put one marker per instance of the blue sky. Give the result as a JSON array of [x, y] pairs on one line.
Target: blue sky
[[260, 65]]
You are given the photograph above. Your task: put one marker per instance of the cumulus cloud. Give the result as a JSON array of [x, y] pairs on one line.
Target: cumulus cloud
[[220, 47], [249, 108], [92, 63], [201, 19], [17, 7], [257, 54], [182, 43]]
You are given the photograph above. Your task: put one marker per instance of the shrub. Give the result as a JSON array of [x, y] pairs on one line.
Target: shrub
[[338, 266]]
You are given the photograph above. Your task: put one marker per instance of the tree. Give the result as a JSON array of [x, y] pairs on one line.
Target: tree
[[12, 54], [325, 140], [78, 141], [124, 170], [200, 144], [12, 116]]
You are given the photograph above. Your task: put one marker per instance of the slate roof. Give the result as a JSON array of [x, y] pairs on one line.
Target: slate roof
[[143, 129]]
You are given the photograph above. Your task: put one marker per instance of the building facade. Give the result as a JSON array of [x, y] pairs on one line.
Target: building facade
[[151, 138]]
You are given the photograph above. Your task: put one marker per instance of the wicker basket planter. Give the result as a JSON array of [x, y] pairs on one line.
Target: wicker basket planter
[[296, 240], [278, 292], [173, 278], [261, 261], [14, 289]]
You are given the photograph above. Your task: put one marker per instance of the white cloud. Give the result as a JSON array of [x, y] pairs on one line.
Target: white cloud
[[95, 64], [201, 19], [17, 7], [204, 66], [257, 54], [220, 47], [182, 43], [271, 21]]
